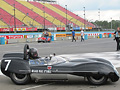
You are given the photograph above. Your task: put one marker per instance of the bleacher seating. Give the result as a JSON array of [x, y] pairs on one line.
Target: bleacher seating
[[40, 12], [19, 15], [9, 19], [72, 14], [63, 14], [50, 12], [31, 13], [2, 24], [28, 12]]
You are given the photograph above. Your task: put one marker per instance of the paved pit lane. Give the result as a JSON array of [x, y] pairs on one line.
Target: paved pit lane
[[102, 48]]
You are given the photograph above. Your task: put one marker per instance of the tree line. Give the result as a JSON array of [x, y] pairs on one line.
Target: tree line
[[107, 25]]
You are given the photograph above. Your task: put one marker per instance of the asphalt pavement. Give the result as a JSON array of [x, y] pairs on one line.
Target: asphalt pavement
[[92, 46], [64, 47]]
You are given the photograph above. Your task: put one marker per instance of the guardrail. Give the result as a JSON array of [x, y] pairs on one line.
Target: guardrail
[[32, 37]]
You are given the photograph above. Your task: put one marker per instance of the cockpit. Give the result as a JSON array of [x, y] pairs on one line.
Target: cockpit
[[47, 60], [31, 55]]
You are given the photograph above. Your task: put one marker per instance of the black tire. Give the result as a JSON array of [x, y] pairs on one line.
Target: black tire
[[20, 79], [97, 79], [39, 41]]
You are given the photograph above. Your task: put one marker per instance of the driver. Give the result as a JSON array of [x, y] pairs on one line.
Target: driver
[[33, 53]]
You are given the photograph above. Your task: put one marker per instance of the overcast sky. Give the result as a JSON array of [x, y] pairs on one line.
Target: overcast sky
[[109, 9]]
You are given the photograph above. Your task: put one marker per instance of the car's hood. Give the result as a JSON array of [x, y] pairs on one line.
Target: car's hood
[[91, 60], [85, 59]]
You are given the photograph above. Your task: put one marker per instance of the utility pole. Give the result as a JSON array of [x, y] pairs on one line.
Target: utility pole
[[66, 17], [99, 14], [99, 17], [111, 23], [84, 18], [44, 15], [14, 19]]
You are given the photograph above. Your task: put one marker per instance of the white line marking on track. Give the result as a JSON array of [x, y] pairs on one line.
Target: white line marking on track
[[35, 87]]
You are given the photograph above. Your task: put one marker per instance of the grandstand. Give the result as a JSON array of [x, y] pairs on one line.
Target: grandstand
[[42, 14]]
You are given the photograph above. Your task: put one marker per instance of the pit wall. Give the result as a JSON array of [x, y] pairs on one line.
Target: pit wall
[[32, 37]]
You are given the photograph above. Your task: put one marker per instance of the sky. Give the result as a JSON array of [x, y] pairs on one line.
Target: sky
[[94, 9]]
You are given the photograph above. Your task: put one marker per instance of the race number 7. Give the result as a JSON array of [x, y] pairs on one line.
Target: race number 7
[[8, 63]]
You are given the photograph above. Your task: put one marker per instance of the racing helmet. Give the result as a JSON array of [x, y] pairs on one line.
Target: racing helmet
[[33, 53]]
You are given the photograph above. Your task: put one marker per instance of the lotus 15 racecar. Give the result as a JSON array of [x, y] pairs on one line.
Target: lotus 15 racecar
[[27, 66]]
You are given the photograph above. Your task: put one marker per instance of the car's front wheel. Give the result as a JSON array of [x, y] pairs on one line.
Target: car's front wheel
[[97, 79], [20, 79]]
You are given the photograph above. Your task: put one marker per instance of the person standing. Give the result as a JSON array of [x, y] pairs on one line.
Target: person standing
[[46, 35], [82, 35], [43, 34], [117, 38], [73, 35]]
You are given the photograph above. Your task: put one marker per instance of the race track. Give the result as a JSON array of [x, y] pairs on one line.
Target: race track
[[102, 48]]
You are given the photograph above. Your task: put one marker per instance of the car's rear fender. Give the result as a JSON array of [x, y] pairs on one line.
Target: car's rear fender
[[19, 66], [108, 70], [100, 67]]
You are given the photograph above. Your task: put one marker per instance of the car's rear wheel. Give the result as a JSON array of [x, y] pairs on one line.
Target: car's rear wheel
[[20, 79], [97, 79]]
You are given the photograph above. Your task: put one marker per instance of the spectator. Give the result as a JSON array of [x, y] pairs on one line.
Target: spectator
[[50, 35], [46, 35], [117, 38], [82, 35], [73, 35], [43, 34]]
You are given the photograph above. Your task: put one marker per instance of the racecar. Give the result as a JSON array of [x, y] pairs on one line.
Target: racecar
[[44, 39], [27, 66]]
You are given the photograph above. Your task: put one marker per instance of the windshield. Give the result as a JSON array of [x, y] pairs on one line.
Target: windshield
[[47, 61], [56, 59]]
